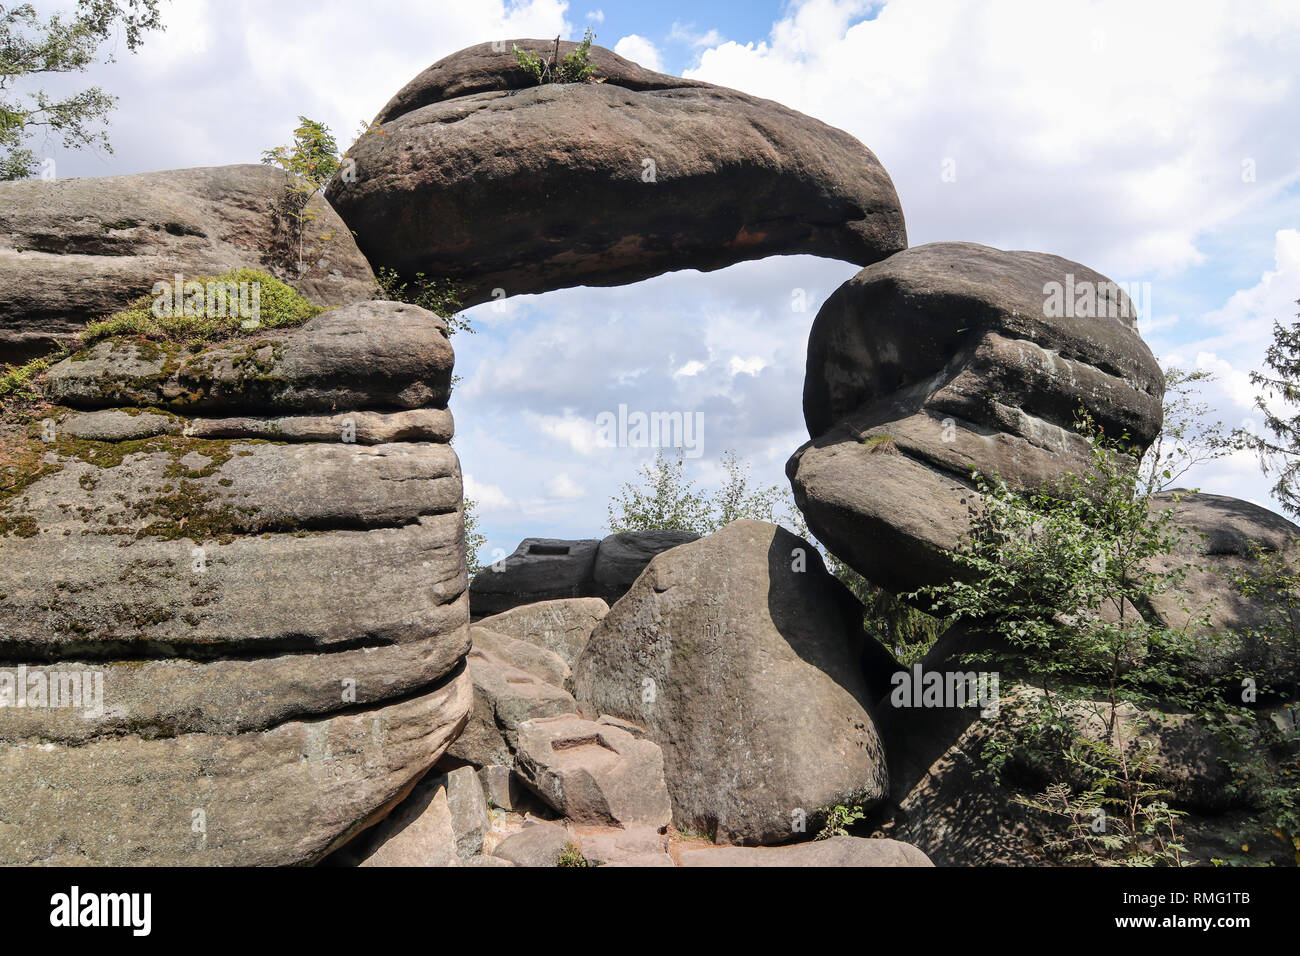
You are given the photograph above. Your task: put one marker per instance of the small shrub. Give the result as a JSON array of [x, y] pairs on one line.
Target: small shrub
[[17, 381], [439, 296], [838, 821], [571, 856], [574, 67]]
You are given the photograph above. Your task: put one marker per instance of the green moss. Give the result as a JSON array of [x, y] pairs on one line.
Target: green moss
[[279, 305], [22, 382]]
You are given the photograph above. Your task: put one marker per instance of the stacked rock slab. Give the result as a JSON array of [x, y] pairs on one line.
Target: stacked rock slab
[[948, 358], [76, 250], [477, 173], [278, 619]]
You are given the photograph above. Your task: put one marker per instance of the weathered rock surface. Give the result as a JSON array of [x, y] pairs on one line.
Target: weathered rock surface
[[543, 664], [76, 250], [441, 823], [660, 173], [539, 844], [594, 773], [623, 846], [951, 357], [541, 569], [743, 659], [1223, 540], [375, 355], [563, 626], [504, 697], [268, 638], [837, 851], [621, 558]]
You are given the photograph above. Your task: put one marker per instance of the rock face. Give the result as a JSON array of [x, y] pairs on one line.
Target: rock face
[[549, 570], [77, 250], [541, 569], [594, 772], [743, 659], [659, 173], [951, 357], [269, 635], [442, 823], [1224, 537], [621, 558], [562, 627]]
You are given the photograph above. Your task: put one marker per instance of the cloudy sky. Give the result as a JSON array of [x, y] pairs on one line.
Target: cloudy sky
[[1155, 142]]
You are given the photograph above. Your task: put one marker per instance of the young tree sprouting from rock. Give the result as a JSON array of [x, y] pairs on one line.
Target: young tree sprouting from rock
[[309, 162], [1280, 379], [32, 45], [1057, 576], [1187, 438]]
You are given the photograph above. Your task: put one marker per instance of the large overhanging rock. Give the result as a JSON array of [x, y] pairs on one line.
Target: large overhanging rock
[[477, 174], [76, 250], [744, 660], [264, 639], [951, 357]]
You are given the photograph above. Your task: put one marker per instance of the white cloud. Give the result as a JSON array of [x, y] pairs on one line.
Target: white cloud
[[690, 369], [749, 366], [1106, 131], [640, 50], [564, 487], [487, 497], [579, 434], [596, 16]]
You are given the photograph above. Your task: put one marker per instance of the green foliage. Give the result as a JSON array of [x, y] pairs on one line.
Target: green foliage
[[574, 67], [440, 296], [666, 499], [474, 538], [309, 162], [279, 305], [1187, 438], [34, 45], [1279, 381], [838, 821], [1058, 575], [571, 856]]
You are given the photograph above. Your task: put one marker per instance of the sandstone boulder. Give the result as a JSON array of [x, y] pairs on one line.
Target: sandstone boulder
[[594, 773], [504, 697], [562, 626], [1247, 637], [541, 569], [948, 358], [77, 250], [538, 844], [621, 558], [657, 173], [743, 659]]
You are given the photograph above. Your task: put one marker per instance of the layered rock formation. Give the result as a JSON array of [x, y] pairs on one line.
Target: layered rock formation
[[948, 358], [743, 659], [275, 629], [76, 250], [477, 174]]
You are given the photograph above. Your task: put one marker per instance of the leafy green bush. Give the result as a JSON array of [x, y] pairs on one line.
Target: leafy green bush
[[574, 67], [838, 821]]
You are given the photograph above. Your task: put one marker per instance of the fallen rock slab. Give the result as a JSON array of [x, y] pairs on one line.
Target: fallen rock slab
[[593, 773]]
